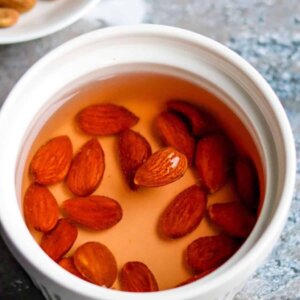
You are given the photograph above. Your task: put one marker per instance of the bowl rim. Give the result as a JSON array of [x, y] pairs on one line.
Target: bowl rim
[[265, 242]]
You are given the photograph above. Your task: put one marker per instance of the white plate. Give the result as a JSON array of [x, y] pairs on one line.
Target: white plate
[[45, 18]]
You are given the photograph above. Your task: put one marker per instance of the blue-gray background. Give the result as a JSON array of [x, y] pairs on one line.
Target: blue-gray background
[[265, 32]]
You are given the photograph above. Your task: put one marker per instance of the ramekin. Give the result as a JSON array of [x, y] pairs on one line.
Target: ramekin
[[158, 49]]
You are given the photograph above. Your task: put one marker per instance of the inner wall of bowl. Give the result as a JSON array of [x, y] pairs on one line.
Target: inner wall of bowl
[[63, 96]]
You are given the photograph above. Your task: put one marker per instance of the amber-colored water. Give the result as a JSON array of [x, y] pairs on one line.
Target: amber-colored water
[[135, 237]]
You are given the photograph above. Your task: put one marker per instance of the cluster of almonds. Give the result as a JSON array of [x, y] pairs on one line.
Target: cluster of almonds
[[10, 11], [193, 139]]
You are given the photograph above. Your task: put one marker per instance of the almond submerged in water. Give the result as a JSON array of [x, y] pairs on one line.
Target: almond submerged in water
[[136, 277], [246, 182], [93, 212], [67, 263], [210, 252], [233, 218], [201, 122], [184, 213], [96, 263], [40, 208], [105, 119], [87, 169], [57, 242], [213, 161], [163, 167], [174, 133], [134, 150], [51, 162]]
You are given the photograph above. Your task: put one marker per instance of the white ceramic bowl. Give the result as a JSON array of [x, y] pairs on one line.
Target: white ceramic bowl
[[149, 48]]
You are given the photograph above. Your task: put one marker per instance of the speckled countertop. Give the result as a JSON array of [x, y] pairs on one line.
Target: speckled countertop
[[264, 32]]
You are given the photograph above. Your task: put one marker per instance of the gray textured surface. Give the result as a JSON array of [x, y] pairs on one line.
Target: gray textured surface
[[264, 32]]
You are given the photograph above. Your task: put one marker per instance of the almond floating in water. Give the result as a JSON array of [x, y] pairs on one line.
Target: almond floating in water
[[163, 167]]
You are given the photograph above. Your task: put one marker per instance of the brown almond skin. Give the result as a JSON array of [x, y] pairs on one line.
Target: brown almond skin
[[57, 242], [163, 167], [87, 169], [51, 162], [40, 208], [184, 213], [199, 120], [134, 150], [96, 263], [246, 182], [214, 159], [19, 5], [233, 218], [136, 277], [93, 212], [174, 133], [67, 263], [105, 119], [8, 17], [206, 253]]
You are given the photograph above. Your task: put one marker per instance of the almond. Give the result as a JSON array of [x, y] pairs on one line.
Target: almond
[[200, 121], [8, 17], [196, 277], [40, 208], [67, 263], [96, 263], [184, 213], [214, 161], [246, 182], [105, 119], [206, 253], [134, 150], [93, 212], [233, 218], [59, 240], [163, 167], [136, 277], [87, 169], [19, 5], [174, 133], [51, 162]]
